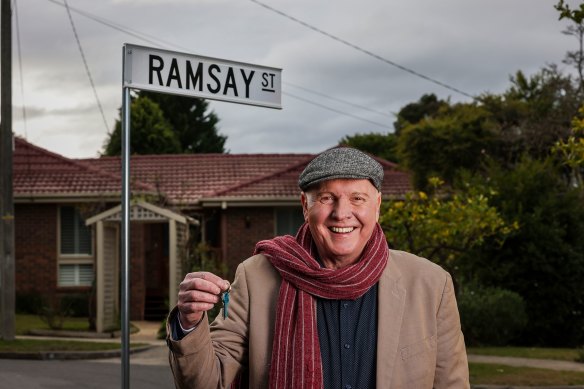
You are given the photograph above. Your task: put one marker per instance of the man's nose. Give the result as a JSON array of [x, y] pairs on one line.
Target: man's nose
[[342, 209]]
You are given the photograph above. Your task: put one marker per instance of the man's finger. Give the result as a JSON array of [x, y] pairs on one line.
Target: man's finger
[[198, 296]]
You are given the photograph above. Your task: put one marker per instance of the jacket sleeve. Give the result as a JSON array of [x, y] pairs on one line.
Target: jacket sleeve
[[211, 356], [451, 360]]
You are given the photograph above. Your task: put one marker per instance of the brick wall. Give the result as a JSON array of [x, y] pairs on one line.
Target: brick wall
[[35, 239], [36, 256], [244, 227]]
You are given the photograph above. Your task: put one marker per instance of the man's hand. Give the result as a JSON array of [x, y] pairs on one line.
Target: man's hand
[[198, 293]]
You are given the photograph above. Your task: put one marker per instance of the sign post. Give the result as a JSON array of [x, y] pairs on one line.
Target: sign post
[[164, 71]]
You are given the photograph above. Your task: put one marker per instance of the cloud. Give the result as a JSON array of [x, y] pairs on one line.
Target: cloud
[[472, 45]]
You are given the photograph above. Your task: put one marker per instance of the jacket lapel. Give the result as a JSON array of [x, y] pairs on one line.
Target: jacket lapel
[[390, 311]]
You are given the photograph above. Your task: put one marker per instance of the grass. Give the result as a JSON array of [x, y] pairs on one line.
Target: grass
[[561, 354], [491, 374], [24, 323]]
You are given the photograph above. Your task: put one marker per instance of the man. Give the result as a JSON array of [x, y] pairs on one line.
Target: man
[[331, 308]]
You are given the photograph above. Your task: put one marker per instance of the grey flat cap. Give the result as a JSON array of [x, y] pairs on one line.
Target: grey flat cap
[[341, 162]]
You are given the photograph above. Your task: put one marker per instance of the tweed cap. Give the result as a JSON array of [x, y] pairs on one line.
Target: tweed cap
[[341, 162]]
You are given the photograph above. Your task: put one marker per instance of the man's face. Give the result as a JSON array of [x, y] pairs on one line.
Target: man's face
[[342, 215]]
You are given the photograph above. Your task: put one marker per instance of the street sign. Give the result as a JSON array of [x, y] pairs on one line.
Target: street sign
[[164, 71], [184, 74]]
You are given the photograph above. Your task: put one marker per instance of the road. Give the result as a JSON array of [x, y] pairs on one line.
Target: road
[[148, 370]]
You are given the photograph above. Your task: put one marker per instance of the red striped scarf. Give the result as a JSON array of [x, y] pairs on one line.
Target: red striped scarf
[[296, 360]]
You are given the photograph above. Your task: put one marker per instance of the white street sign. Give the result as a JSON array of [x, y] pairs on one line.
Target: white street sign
[[171, 72]]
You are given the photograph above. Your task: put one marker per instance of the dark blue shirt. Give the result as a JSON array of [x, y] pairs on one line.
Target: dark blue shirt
[[347, 333]]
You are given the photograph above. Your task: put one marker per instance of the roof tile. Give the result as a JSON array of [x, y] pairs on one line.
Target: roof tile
[[183, 179]]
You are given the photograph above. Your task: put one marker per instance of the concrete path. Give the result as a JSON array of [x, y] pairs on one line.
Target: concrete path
[[528, 362]]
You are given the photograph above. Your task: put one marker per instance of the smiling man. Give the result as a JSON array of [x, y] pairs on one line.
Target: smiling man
[[332, 307]]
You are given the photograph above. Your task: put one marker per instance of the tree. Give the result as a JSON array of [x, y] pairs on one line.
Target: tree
[[151, 132], [169, 124], [571, 151], [428, 106], [194, 126], [380, 145], [442, 227], [548, 100], [459, 137], [543, 260], [576, 57]]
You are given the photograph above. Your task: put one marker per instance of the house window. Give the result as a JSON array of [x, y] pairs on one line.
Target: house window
[[75, 249], [75, 235], [288, 220], [75, 274]]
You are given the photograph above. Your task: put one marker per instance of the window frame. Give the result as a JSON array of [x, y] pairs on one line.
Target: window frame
[[76, 258]]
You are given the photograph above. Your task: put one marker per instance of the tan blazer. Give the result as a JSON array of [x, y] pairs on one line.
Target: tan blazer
[[419, 341]]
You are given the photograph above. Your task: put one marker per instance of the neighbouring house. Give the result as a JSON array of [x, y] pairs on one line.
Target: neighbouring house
[[184, 207]]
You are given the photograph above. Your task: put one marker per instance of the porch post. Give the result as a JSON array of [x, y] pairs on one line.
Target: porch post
[[100, 278], [172, 264]]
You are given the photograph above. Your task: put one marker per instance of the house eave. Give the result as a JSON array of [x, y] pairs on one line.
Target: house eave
[[23, 198], [249, 201]]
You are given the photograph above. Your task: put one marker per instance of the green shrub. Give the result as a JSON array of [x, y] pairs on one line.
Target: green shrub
[[28, 303], [161, 334], [491, 316], [76, 304]]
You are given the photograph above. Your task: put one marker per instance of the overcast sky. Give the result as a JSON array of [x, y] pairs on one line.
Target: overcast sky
[[470, 45]]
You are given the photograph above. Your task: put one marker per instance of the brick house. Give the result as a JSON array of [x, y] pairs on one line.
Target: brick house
[[67, 220]]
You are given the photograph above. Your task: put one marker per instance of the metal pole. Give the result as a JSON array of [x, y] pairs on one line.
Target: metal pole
[[6, 198], [125, 263]]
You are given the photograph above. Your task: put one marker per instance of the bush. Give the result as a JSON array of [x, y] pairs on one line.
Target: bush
[[491, 316], [76, 304], [28, 303], [161, 334]]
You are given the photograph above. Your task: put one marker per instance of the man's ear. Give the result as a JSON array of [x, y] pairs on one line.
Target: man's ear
[[304, 201], [378, 204]]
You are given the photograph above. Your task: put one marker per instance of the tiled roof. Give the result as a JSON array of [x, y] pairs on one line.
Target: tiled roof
[[183, 179], [186, 178], [284, 182], [39, 172]]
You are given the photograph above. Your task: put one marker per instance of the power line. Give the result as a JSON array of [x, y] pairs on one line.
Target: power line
[[20, 68], [338, 100], [358, 48], [126, 30], [162, 43], [86, 66], [335, 110]]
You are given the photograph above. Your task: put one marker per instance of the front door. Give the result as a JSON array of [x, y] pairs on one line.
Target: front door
[[156, 271]]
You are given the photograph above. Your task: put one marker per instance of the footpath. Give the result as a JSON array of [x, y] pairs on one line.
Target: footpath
[[155, 353], [527, 362], [152, 352]]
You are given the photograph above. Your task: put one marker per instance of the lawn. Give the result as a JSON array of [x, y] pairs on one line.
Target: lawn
[[491, 374], [24, 323], [562, 354]]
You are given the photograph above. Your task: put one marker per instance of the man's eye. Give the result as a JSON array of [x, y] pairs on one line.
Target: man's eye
[[357, 199], [326, 199]]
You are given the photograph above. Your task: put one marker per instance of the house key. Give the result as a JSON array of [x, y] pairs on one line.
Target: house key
[[225, 299]]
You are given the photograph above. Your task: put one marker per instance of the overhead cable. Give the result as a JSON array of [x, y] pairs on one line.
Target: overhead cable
[[338, 100], [165, 44], [336, 110], [86, 67], [17, 25], [126, 30], [358, 48]]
